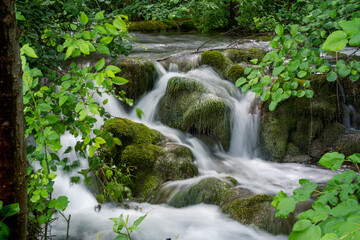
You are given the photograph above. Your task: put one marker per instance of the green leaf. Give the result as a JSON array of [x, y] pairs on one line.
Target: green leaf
[[79, 106], [111, 29], [247, 70], [29, 51], [245, 88], [4, 231], [139, 220], [336, 41], [119, 23], [69, 51], [257, 88], [355, 40], [106, 40], [304, 230], [278, 70], [293, 65], [280, 196], [331, 76], [355, 158], [351, 27], [84, 48], [83, 18], [265, 96], [99, 15], [100, 29], [83, 113], [273, 105], [301, 74], [113, 68], [91, 151], [103, 49], [10, 210], [44, 107], [63, 200], [344, 71], [240, 82], [94, 109], [73, 27], [279, 30], [63, 99], [330, 236], [100, 64], [119, 80], [254, 61], [309, 93], [266, 80], [285, 207], [332, 160]]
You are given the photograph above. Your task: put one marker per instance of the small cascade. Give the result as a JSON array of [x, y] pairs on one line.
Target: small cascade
[[240, 162], [351, 118]]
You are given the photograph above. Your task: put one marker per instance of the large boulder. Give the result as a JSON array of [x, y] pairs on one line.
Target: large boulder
[[141, 74], [190, 106], [150, 158], [306, 127]]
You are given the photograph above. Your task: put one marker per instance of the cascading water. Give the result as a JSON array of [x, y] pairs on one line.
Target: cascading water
[[200, 221]]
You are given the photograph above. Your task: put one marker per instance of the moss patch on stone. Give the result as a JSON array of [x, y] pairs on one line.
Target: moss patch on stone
[[248, 210], [209, 190], [217, 60], [234, 72], [245, 55], [141, 74], [188, 106]]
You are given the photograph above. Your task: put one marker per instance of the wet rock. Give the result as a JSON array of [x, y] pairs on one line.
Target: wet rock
[[188, 105], [141, 74], [300, 126], [245, 55], [217, 60], [147, 155], [234, 72]]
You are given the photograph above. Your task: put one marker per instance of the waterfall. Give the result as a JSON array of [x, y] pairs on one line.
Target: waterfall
[[200, 222], [350, 115]]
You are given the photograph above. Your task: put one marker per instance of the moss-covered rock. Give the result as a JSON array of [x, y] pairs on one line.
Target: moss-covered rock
[[245, 55], [296, 124], [176, 164], [209, 190], [145, 153], [147, 26], [187, 25], [217, 60], [188, 105], [141, 74], [234, 72]]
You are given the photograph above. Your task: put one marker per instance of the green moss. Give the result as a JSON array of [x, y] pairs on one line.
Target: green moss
[[147, 26], [339, 55], [129, 133], [141, 74], [211, 116], [216, 60], [142, 156], [186, 107], [248, 210], [145, 185], [241, 55], [234, 72], [209, 190], [188, 25], [332, 133]]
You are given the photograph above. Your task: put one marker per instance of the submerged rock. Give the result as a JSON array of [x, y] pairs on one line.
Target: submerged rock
[[148, 156], [141, 74], [188, 105]]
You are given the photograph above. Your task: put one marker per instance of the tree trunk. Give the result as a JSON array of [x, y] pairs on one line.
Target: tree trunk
[[13, 162]]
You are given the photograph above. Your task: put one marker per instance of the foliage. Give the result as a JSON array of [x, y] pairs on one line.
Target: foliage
[[7, 211], [120, 223], [296, 60], [335, 214], [59, 102]]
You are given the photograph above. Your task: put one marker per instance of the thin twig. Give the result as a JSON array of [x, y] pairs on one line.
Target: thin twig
[[68, 224], [218, 36]]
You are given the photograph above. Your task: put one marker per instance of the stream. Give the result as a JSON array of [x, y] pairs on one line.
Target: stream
[[242, 162]]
